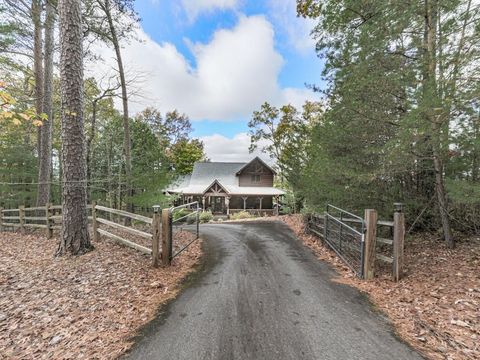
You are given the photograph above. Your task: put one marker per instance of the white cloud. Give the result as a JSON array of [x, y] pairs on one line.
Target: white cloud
[[234, 74], [195, 7], [297, 97], [295, 29], [222, 148]]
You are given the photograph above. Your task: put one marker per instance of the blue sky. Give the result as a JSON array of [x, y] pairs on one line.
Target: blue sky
[[218, 61]]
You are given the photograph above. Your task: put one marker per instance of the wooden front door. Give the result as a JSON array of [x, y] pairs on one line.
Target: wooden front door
[[218, 204]]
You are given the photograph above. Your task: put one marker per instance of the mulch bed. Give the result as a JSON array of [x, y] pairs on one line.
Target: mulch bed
[[436, 306], [85, 307]]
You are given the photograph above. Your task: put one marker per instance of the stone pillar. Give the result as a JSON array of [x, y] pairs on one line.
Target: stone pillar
[[227, 204], [204, 199]]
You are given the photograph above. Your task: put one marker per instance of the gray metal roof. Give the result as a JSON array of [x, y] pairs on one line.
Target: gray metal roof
[[205, 173]]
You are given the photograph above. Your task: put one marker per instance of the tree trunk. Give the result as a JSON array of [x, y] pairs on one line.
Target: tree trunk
[[37, 63], [475, 149], [75, 238], [90, 138], [430, 100], [45, 154], [126, 125]]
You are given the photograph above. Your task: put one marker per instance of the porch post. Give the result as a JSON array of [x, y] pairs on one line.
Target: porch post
[[244, 202], [277, 198], [227, 203], [261, 199], [203, 202]]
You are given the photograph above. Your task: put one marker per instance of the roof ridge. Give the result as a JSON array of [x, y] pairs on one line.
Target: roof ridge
[[221, 162]]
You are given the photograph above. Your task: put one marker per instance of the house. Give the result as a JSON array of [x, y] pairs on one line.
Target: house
[[228, 187]]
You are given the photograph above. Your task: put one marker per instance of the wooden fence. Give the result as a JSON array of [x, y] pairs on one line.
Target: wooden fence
[[49, 218], [376, 246]]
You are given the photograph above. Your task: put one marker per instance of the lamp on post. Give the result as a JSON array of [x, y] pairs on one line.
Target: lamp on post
[[398, 207]]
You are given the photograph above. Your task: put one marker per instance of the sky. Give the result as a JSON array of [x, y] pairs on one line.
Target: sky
[[218, 61]]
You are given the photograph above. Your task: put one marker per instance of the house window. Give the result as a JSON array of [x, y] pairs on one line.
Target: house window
[[255, 178]]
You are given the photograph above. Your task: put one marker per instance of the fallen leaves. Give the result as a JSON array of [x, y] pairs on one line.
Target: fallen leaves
[[85, 307], [436, 306]]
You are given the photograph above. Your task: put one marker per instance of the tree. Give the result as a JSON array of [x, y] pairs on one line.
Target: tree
[[74, 238], [169, 129], [185, 153], [284, 135], [36, 13], [393, 71], [117, 20], [45, 150], [98, 101]]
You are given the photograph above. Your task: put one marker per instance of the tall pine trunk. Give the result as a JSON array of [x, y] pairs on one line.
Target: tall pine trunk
[[45, 154], [37, 63], [75, 238]]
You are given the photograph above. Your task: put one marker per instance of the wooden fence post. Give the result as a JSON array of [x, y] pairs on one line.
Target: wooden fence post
[[1, 219], [398, 241], [156, 233], [94, 221], [370, 244], [48, 215], [21, 217], [166, 236]]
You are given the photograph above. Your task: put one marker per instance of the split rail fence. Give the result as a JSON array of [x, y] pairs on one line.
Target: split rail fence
[[160, 237], [359, 242]]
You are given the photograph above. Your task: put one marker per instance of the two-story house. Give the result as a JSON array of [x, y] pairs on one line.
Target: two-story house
[[227, 187]]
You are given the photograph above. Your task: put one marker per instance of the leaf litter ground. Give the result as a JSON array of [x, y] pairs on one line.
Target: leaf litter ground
[[436, 306], [85, 307]]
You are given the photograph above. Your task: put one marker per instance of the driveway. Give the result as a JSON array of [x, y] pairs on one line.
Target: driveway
[[263, 295]]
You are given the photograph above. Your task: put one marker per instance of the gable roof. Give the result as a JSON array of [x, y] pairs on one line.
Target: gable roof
[[206, 174], [260, 161], [212, 184]]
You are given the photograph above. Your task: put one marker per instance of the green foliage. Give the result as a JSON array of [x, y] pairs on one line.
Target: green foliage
[[206, 217], [170, 128], [286, 132], [192, 219], [393, 106], [185, 153], [177, 214], [241, 215]]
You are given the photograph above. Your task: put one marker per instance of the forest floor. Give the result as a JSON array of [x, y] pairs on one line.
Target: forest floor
[[436, 306], [85, 307]]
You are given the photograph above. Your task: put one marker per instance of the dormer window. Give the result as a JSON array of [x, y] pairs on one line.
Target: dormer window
[[255, 178]]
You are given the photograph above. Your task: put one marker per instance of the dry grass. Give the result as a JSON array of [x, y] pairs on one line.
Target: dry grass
[[85, 307]]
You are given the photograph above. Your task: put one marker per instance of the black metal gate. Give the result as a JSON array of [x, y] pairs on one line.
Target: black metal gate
[[188, 220], [345, 234]]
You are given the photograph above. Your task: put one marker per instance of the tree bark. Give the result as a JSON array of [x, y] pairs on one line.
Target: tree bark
[[37, 63], [126, 124], [45, 154], [75, 238]]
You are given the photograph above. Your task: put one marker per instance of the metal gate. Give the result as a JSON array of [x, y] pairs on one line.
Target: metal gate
[[345, 234], [188, 221]]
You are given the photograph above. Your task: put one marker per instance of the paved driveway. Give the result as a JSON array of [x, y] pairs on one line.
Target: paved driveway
[[262, 295]]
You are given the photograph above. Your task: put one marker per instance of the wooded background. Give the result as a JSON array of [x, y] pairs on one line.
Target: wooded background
[[399, 118]]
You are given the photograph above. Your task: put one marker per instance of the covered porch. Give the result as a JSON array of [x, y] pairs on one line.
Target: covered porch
[[225, 204]]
